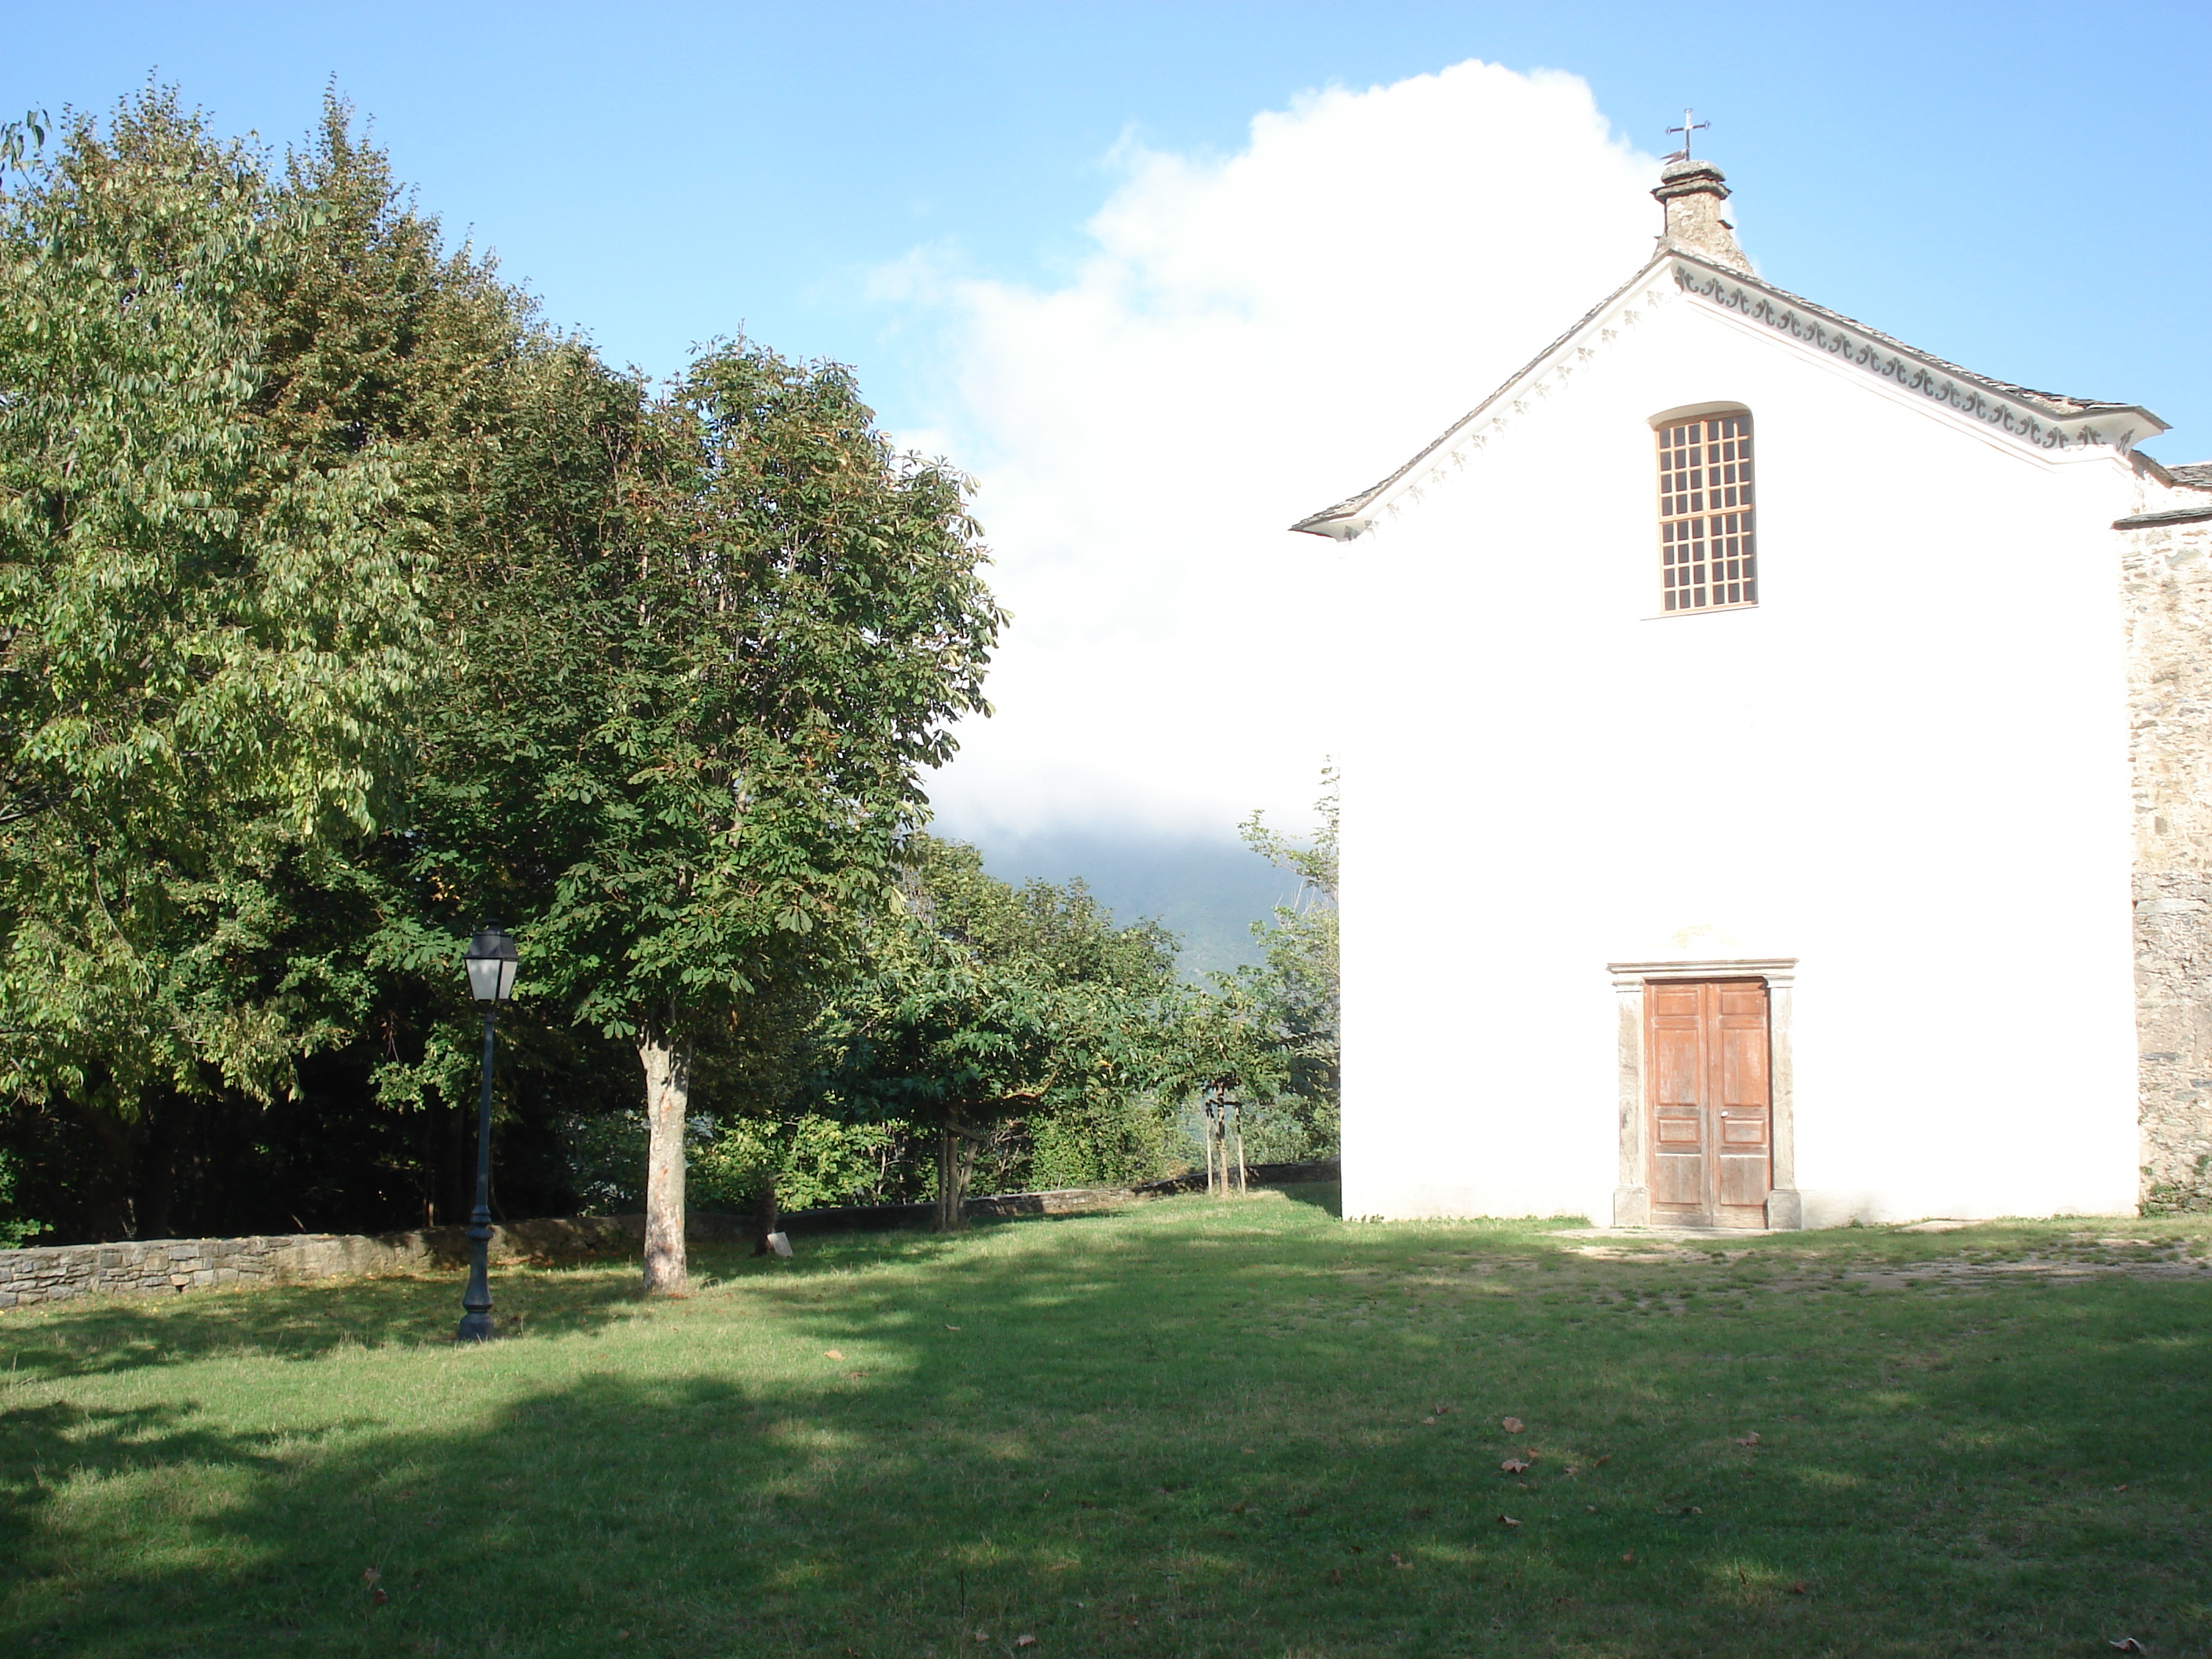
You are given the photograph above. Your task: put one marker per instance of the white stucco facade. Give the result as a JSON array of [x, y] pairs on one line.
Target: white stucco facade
[[1903, 772]]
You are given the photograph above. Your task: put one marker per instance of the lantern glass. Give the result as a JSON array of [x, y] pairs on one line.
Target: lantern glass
[[492, 962]]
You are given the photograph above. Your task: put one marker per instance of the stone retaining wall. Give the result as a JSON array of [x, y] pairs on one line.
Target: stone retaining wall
[[164, 1266]]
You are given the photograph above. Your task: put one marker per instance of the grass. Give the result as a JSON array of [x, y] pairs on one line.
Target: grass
[[1189, 1428]]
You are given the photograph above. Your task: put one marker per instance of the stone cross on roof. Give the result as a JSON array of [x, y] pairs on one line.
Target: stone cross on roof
[[1685, 130]]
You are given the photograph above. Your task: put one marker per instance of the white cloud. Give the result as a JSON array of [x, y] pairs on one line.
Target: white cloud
[[1247, 340]]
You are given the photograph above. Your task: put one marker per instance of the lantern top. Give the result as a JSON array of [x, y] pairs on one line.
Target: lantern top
[[492, 962]]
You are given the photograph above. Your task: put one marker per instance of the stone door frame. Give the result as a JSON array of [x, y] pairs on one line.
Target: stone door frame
[[1631, 1199]]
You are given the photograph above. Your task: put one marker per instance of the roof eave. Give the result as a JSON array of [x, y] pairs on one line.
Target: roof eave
[[1349, 519], [1336, 528], [2053, 420]]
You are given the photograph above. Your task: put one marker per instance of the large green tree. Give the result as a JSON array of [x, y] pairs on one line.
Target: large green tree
[[212, 618], [689, 731]]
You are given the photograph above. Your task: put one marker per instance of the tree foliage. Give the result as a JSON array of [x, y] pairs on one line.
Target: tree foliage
[[342, 604], [211, 633], [701, 687], [981, 1004], [1274, 1036]]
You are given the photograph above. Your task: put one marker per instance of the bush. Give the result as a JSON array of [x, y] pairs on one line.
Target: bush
[[1109, 1143], [815, 1162]]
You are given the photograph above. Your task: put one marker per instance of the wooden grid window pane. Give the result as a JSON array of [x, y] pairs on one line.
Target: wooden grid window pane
[[1708, 552]]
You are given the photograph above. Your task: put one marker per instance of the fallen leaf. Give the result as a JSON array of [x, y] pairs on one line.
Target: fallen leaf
[[1507, 1521], [2123, 1487], [951, 1327], [1359, 1549], [1440, 1410], [1237, 1509], [1607, 1458], [2128, 1645], [833, 1354], [370, 1576], [1248, 1452], [1025, 1641], [1428, 1419], [1751, 1439], [856, 1376], [1398, 1561], [1797, 1587], [377, 1597], [1514, 1466], [1513, 1426], [982, 1636], [1628, 1556], [1334, 1575], [1572, 1470], [1589, 1509]]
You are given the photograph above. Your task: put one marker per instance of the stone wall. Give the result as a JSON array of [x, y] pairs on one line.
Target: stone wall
[[2167, 580], [164, 1266]]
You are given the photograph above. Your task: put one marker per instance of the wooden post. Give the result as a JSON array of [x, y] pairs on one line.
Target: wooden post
[[1244, 1185]]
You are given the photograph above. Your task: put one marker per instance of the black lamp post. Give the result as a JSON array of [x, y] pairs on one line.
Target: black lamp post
[[492, 963]]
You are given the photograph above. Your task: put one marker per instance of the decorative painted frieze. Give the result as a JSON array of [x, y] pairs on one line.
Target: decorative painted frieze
[[1882, 359]]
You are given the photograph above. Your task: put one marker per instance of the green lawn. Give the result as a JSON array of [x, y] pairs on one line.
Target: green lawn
[[1190, 1428]]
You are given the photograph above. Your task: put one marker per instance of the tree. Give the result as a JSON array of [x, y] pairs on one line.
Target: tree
[[689, 732], [210, 634], [1274, 1032], [982, 1004]]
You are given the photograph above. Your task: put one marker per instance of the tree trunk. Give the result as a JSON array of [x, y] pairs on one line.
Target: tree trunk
[[668, 1103], [956, 1162], [764, 1216], [167, 1119], [110, 1210], [948, 1205]]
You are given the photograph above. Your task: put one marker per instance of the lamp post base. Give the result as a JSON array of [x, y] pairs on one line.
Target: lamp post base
[[476, 1321]]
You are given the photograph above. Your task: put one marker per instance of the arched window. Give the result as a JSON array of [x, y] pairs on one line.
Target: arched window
[[1708, 548]]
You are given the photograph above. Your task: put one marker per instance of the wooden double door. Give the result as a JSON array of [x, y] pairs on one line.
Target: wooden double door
[[1710, 1128]]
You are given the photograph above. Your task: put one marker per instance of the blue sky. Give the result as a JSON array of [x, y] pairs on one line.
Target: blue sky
[[2018, 186], [1140, 270]]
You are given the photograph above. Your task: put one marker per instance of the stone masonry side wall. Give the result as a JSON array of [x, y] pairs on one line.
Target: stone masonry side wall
[[166, 1265], [2166, 583]]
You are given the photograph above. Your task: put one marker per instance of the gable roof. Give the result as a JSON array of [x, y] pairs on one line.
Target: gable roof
[[2047, 420]]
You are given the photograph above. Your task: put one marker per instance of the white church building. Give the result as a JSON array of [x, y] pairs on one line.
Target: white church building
[[1779, 782]]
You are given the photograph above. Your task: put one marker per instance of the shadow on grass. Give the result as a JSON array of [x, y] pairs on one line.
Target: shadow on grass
[[1025, 1439], [305, 1322], [1327, 1196], [301, 1322]]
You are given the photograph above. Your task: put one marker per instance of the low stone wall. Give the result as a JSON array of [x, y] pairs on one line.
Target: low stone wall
[[164, 1266]]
